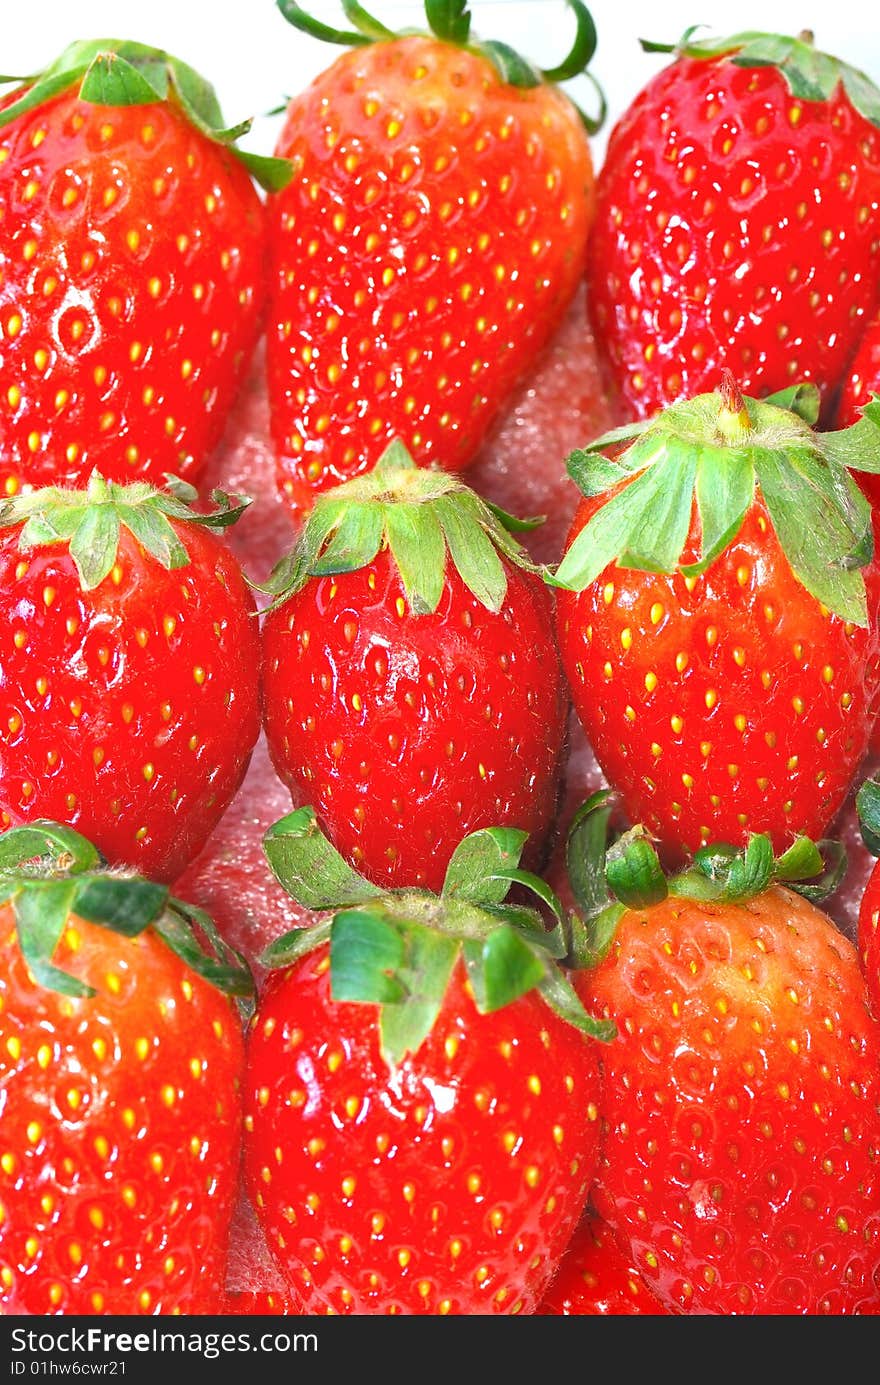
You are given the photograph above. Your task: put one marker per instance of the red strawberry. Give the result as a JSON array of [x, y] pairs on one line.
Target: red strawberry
[[861, 381], [738, 222], [429, 1148], [413, 690], [121, 1061], [721, 638], [132, 268], [429, 243], [740, 1164], [595, 1279], [129, 653]]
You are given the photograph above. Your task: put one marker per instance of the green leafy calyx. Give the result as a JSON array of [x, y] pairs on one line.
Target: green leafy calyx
[[397, 948], [425, 517], [49, 872], [809, 74], [450, 22], [88, 522], [115, 72], [714, 453], [610, 874]]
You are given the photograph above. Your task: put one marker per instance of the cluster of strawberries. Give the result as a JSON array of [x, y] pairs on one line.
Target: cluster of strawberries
[[519, 1054]]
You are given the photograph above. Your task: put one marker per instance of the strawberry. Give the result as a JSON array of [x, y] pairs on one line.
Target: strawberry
[[413, 689], [740, 1168], [868, 916], [738, 222], [129, 650], [431, 238], [860, 383], [132, 268], [121, 1061], [420, 1110], [719, 626], [595, 1279]]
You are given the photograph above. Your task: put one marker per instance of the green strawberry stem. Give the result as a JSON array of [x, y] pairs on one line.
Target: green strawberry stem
[[610, 874], [49, 871], [715, 451], [424, 516], [89, 521], [397, 948], [115, 72], [450, 22], [809, 74], [868, 810]]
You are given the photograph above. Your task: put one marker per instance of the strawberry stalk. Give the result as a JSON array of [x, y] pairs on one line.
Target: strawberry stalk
[[610, 874], [115, 72], [397, 948], [714, 451], [423, 516], [89, 521], [49, 872], [450, 21]]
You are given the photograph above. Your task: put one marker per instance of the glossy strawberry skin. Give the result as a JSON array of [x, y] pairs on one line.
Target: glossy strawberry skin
[[735, 225], [129, 712], [723, 705], [121, 1130], [432, 238], [449, 1185], [406, 732], [741, 1108], [595, 1279], [868, 929], [132, 250], [261, 1303]]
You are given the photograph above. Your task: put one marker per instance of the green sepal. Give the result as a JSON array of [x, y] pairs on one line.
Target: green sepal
[[450, 22], [809, 74], [396, 949], [591, 938], [585, 849], [425, 517], [89, 521], [868, 809], [804, 400], [558, 992], [473, 871], [367, 953], [309, 868], [821, 886], [41, 914], [49, 872], [125, 905], [697, 459], [510, 968], [115, 72], [429, 958], [633, 872], [297, 943], [192, 935]]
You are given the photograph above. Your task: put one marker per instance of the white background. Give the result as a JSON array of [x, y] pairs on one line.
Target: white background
[[255, 59]]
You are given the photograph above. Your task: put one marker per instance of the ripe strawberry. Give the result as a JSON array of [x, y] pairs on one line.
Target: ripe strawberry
[[721, 638], [595, 1279], [861, 382], [121, 1058], [129, 698], [132, 268], [868, 918], [738, 222], [740, 1165], [430, 241], [413, 689], [428, 1149]]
